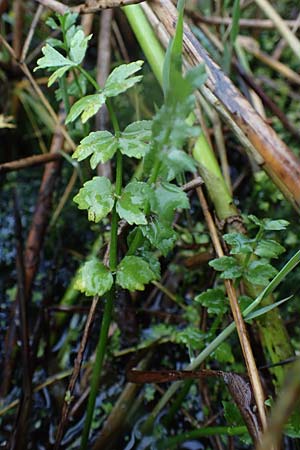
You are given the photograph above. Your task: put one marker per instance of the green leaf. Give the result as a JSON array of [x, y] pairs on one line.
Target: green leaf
[[275, 225], [214, 300], [52, 58], [244, 301], [172, 69], [292, 428], [97, 197], [239, 243], [228, 265], [167, 198], [268, 224], [67, 20], [232, 414], [266, 248], [170, 129], [266, 309], [50, 22], [223, 353], [102, 145], [134, 140], [197, 76], [260, 272], [78, 46], [174, 163], [120, 79], [192, 337], [235, 21], [93, 278], [152, 261], [131, 206], [56, 43], [133, 273], [160, 235], [255, 220], [57, 74], [87, 107]]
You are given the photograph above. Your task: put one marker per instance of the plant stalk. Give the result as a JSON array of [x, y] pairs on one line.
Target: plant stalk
[[113, 261]]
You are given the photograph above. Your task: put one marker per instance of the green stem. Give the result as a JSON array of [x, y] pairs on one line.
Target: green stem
[[89, 78], [77, 82], [113, 254], [97, 369], [113, 261], [167, 420], [201, 432], [146, 38], [256, 240], [107, 314], [64, 93]]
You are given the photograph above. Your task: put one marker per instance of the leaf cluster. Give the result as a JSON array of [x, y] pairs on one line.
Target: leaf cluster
[[149, 205]]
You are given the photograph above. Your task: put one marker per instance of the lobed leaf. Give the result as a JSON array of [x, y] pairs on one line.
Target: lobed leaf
[[67, 20], [78, 46], [57, 74], [269, 224], [160, 235], [228, 265], [214, 300], [174, 163], [120, 79], [166, 200], [134, 140], [192, 337], [133, 273], [50, 22], [239, 243], [52, 58], [97, 197], [87, 107], [93, 278], [267, 248], [260, 272], [102, 145], [275, 225], [134, 199]]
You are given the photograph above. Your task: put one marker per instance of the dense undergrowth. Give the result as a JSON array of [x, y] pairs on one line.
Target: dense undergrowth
[[169, 318]]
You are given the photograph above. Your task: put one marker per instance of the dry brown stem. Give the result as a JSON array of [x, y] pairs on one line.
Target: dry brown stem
[[268, 150]]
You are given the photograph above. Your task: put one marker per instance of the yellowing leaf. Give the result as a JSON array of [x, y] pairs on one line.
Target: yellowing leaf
[[97, 197]]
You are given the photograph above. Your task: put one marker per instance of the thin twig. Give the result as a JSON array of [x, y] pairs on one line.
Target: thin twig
[[40, 94], [19, 436], [252, 46], [282, 43], [243, 23], [281, 26], [33, 26], [270, 104], [30, 161], [75, 373], [18, 26], [92, 6]]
